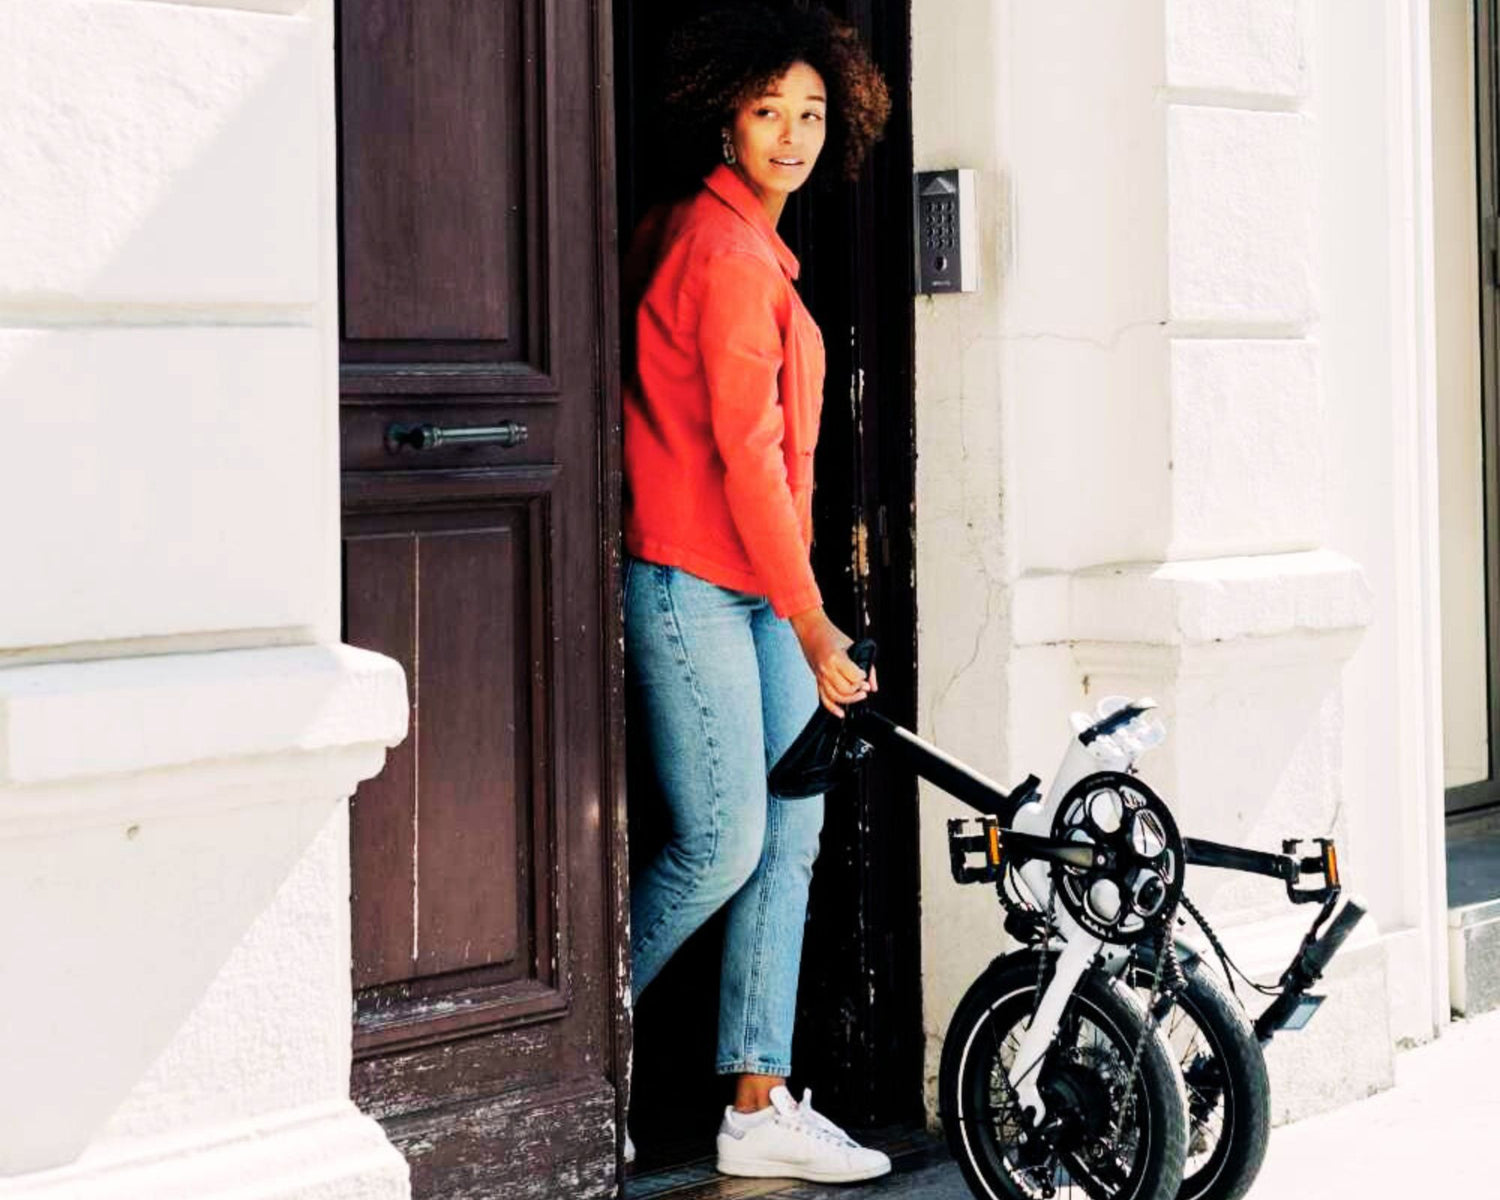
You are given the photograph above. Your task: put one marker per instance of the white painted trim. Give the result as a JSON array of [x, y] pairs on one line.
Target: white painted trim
[[1192, 600], [305, 1154], [269, 7], [1418, 691], [156, 712]]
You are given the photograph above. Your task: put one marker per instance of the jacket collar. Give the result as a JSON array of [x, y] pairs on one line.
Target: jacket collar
[[725, 183]]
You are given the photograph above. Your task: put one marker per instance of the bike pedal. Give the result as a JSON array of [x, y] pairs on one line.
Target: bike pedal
[[985, 842]]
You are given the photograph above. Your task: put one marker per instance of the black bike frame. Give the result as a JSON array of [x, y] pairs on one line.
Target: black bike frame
[[985, 796]]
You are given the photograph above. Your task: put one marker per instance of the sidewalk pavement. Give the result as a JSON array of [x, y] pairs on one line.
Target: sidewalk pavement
[[1434, 1133]]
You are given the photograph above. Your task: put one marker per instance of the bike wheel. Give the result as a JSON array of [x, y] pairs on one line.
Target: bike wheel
[[1228, 1092], [1105, 1138]]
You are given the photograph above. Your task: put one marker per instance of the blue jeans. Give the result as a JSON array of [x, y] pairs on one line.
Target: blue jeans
[[720, 686]]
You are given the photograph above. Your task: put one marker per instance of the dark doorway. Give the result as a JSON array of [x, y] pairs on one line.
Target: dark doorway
[[859, 1041]]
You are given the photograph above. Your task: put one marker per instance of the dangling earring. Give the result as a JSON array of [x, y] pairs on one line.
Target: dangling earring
[[728, 148]]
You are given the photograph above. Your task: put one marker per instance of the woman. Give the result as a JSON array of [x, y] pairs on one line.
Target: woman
[[728, 649]]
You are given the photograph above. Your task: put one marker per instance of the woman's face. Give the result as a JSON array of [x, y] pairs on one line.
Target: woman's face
[[779, 134]]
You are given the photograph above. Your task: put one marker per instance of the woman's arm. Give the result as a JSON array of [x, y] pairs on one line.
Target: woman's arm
[[740, 340]]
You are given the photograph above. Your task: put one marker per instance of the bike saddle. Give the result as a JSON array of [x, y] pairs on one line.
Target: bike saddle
[[827, 752]]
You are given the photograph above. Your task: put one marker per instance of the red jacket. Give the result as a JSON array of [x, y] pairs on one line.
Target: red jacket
[[721, 416]]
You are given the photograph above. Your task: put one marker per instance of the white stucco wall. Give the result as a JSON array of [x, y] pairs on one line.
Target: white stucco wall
[[962, 592], [179, 728], [1151, 458]]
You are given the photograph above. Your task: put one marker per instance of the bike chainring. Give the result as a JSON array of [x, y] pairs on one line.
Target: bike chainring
[[1132, 888]]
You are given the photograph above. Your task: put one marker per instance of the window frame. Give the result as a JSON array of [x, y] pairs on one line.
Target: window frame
[[1485, 793]]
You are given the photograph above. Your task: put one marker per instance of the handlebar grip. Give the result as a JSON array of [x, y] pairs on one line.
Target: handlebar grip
[[1107, 725], [1305, 970], [1318, 955], [863, 654]]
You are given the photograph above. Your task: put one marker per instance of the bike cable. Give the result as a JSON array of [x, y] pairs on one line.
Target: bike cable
[[1231, 968]]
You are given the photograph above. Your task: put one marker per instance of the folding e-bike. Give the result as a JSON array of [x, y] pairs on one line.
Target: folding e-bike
[[1104, 1057]]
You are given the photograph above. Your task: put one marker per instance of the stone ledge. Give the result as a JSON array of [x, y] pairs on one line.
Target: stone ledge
[[79, 721], [332, 1153], [1192, 601], [1474, 957]]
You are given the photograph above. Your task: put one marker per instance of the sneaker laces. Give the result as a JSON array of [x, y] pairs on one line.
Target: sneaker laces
[[804, 1120], [818, 1121]]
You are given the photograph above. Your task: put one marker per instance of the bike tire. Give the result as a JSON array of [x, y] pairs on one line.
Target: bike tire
[[1001, 1000], [1235, 1159]]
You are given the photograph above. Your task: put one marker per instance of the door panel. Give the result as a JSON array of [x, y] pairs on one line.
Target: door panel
[[455, 855], [474, 671], [486, 897], [451, 601], [437, 86], [455, 209]]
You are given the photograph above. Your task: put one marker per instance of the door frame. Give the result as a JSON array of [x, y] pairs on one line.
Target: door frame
[[612, 547], [1484, 794], [869, 855]]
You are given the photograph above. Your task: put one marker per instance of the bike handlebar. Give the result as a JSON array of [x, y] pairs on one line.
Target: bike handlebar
[[1107, 725], [1317, 956], [1306, 969], [863, 654]]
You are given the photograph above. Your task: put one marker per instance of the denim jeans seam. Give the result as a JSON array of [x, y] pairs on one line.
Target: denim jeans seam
[[753, 1066], [649, 935], [752, 999], [665, 607], [668, 608]]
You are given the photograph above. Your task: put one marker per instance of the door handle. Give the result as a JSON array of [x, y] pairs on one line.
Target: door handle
[[429, 437]]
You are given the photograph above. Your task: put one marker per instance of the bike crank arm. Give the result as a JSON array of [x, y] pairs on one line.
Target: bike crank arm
[[1289, 867], [997, 846]]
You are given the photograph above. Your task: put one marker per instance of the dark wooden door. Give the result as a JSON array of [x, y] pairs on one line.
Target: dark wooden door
[[859, 1029], [477, 271]]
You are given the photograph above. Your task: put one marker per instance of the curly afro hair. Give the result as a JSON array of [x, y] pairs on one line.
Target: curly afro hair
[[732, 53]]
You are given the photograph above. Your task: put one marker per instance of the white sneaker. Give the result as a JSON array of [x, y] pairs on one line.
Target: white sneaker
[[791, 1140], [629, 1149]]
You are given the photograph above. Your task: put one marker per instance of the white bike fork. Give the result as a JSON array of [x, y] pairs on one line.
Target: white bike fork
[[1079, 947]]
